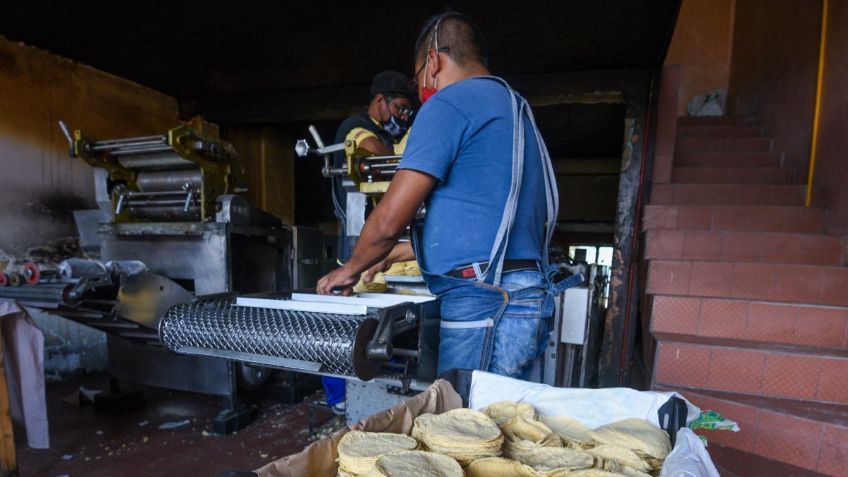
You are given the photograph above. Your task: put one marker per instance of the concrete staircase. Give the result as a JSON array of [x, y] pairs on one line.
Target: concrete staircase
[[749, 301]]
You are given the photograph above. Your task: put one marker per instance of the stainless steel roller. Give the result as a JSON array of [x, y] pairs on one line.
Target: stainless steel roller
[[309, 341], [166, 159], [168, 181], [44, 293]]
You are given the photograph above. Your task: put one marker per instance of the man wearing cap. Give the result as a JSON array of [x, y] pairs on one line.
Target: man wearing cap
[[380, 130]]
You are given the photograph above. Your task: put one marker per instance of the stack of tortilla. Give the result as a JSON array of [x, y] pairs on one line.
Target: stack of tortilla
[[359, 451], [531, 446], [463, 434], [559, 445]]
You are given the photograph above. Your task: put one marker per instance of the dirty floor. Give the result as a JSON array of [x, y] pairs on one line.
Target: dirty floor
[[88, 443]]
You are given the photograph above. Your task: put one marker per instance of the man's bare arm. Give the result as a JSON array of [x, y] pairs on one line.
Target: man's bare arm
[[375, 146], [401, 252], [382, 229]]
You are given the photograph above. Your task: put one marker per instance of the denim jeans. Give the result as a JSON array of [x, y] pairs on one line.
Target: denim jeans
[[497, 329]]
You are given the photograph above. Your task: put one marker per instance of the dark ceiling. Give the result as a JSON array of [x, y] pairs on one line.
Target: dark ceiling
[[215, 49]]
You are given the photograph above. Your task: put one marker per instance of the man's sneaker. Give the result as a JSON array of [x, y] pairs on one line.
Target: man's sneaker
[[338, 408]]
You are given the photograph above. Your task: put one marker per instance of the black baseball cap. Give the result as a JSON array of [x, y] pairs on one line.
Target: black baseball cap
[[391, 83]]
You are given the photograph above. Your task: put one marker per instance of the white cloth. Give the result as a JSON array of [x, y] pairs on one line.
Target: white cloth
[[23, 354], [593, 407], [598, 407]]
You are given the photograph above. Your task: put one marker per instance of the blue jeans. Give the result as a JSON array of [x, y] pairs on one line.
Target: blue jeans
[[497, 329], [335, 389]]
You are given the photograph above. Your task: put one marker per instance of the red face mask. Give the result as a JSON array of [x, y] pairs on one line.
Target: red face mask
[[427, 93]]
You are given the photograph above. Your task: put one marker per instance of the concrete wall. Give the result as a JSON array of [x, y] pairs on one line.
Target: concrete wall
[[773, 71], [831, 170], [701, 44], [40, 185]]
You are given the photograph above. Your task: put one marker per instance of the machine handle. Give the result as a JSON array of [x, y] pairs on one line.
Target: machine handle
[[67, 134], [316, 136]]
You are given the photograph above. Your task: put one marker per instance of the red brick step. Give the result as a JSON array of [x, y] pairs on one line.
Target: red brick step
[[719, 131], [805, 284], [716, 121], [733, 175], [807, 328], [762, 247], [734, 218], [736, 144], [726, 159], [727, 194], [757, 372]]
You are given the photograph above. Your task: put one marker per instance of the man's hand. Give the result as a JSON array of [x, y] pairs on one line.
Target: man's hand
[[381, 266], [380, 233], [339, 279]]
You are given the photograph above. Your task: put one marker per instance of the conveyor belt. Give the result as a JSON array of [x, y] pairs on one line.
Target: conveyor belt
[[313, 342]]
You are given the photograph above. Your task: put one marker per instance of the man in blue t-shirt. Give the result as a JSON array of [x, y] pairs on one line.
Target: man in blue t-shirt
[[481, 245]]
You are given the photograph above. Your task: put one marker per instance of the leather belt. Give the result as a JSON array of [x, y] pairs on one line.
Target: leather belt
[[508, 266]]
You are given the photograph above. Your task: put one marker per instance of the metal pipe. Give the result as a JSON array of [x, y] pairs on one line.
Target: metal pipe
[[141, 150], [105, 147], [161, 181], [817, 113], [407, 353], [156, 161], [160, 137], [166, 193], [146, 203], [382, 158]]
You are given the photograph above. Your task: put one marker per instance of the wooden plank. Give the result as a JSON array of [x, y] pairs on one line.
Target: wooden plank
[[8, 456]]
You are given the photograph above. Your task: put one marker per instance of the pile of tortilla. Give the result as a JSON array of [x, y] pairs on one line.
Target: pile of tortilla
[[508, 439]]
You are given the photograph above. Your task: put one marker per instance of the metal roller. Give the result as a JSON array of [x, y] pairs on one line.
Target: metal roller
[[157, 211], [45, 293], [309, 341], [166, 181], [75, 268], [155, 160]]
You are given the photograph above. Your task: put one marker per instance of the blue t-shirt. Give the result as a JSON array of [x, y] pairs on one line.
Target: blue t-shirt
[[463, 137]]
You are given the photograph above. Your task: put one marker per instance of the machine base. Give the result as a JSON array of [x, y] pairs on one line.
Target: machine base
[[229, 421], [118, 402]]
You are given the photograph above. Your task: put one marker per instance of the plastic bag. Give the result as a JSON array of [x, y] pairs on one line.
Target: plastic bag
[[713, 103]]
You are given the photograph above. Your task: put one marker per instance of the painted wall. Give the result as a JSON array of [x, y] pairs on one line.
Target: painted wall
[[268, 157], [40, 185], [701, 44], [773, 71], [831, 171]]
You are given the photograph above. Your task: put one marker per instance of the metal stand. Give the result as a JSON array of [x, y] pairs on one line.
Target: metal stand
[[118, 401], [236, 415]]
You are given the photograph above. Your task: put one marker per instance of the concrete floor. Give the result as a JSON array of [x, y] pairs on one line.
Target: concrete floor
[[88, 443]]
